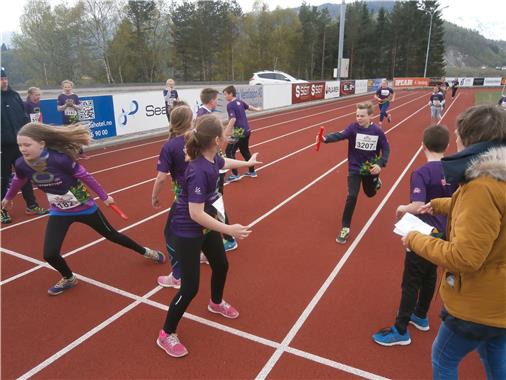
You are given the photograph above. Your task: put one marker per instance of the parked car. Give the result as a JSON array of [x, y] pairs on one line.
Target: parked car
[[273, 77]]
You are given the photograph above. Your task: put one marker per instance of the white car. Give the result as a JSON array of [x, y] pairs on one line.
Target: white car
[[273, 77]]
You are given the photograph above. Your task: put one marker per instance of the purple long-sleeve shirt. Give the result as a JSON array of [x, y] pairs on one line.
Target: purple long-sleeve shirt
[[62, 179]]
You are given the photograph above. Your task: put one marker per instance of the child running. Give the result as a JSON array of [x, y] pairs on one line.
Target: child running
[[49, 160], [384, 96], [238, 124], [436, 104], [196, 224], [32, 105], [172, 160], [420, 275], [209, 99], [170, 96], [366, 141]]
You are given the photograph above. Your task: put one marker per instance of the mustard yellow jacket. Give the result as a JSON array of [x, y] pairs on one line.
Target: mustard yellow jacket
[[473, 286]]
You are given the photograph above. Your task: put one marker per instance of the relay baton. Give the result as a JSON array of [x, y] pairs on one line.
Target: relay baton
[[320, 138], [118, 211]]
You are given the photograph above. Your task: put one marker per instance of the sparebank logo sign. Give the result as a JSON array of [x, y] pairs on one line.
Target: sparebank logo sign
[[123, 117]]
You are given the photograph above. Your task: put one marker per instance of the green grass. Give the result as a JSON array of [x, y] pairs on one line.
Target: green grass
[[487, 97]]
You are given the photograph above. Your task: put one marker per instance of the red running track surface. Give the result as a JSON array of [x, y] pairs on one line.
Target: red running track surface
[[308, 305]]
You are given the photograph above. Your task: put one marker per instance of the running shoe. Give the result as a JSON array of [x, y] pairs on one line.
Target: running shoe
[[233, 178], [169, 281], [62, 285], [391, 337], [230, 245], [420, 323], [343, 235], [171, 345], [223, 308], [389, 118], [6, 218], [378, 183], [203, 259], [252, 174], [156, 256], [36, 210]]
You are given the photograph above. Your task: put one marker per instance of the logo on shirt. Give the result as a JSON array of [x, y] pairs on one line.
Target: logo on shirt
[[417, 190], [198, 191]]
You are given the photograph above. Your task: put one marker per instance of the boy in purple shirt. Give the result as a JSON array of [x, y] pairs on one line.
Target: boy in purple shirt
[[197, 224], [385, 95], [68, 103], [238, 124], [209, 99], [368, 152], [48, 160], [420, 275]]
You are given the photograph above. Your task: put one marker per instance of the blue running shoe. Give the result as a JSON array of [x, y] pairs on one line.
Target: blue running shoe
[[230, 245], [252, 174], [391, 337], [233, 178], [62, 285], [420, 323]]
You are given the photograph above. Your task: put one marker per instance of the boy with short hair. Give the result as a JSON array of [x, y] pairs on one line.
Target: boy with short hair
[[420, 275], [368, 152], [238, 124], [170, 96], [209, 100]]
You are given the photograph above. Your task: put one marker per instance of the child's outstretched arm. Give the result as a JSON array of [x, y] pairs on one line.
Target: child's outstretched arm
[[412, 208], [199, 216], [82, 174], [235, 164], [16, 184], [157, 188]]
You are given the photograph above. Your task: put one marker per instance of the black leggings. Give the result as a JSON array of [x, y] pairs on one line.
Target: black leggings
[[188, 254], [57, 227], [369, 185], [418, 285], [243, 146]]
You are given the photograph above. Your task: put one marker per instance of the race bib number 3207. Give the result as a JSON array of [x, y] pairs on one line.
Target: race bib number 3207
[[366, 142]]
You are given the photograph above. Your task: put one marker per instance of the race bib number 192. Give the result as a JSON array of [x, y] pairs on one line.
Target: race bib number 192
[[366, 142]]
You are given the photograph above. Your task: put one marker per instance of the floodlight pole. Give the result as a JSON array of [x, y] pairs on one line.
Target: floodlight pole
[[428, 41], [341, 39]]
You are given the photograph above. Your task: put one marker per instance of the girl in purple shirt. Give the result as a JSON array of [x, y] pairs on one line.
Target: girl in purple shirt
[[197, 224], [32, 105], [49, 161], [172, 161]]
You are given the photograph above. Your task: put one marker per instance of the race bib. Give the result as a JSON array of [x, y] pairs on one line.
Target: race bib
[[35, 117], [366, 142], [69, 111], [385, 93], [436, 103], [64, 201], [220, 207]]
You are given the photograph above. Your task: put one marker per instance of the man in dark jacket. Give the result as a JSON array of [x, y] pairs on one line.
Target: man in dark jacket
[[13, 118]]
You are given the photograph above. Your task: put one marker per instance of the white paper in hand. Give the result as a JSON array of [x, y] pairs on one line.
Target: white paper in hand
[[409, 223], [220, 207]]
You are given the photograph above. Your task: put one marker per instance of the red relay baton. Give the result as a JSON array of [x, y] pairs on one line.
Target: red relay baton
[[320, 138], [118, 211]]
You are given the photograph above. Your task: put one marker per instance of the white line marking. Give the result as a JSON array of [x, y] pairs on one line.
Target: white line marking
[[312, 304]]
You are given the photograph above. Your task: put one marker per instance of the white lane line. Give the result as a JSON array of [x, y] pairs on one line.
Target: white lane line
[[85, 337], [230, 330], [318, 296]]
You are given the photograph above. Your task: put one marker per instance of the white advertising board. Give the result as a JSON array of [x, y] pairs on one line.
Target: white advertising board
[[361, 86], [332, 89], [277, 95]]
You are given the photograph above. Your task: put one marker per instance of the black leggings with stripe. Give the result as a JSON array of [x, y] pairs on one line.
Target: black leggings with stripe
[[187, 252], [56, 230]]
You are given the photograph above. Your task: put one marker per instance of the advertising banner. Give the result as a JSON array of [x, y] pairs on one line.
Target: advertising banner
[[360, 86], [96, 110], [411, 82], [305, 92], [492, 82], [253, 95], [466, 82], [347, 87], [374, 84], [478, 81], [332, 89]]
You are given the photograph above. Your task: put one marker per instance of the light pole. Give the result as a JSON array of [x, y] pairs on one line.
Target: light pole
[[428, 41]]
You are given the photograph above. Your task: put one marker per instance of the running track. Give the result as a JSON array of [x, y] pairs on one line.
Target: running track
[[308, 305]]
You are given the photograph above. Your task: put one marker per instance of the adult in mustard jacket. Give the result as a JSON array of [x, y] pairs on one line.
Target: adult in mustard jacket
[[473, 287]]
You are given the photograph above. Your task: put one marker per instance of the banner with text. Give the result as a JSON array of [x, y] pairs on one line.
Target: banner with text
[[332, 89], [492, 82], [95, 110], [347, 87], [305, 92], [411, 82], [374, 84], [361, 86]]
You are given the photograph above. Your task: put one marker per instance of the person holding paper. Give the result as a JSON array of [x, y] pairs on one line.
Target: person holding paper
[[420, 275], [473, 286]]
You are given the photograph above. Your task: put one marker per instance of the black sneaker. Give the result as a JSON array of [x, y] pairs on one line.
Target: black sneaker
[[343, 235], [378, 183], [6, 218]]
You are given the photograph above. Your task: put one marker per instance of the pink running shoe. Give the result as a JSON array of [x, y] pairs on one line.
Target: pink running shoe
[[224, 308], [171, 345], [169, 281]]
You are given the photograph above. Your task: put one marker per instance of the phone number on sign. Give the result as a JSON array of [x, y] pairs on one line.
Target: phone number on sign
[[99, 133]]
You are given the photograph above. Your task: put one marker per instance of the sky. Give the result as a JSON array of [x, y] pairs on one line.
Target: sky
[[487, 17]]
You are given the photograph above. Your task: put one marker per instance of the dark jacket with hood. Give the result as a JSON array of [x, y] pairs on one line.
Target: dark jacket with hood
[[13, 116]]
